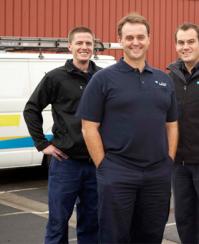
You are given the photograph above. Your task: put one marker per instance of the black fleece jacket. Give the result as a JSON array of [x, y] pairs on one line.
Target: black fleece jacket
[[62, 88], [187, 92]]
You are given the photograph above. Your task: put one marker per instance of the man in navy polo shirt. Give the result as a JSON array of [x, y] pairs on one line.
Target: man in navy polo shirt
[[128, 113]]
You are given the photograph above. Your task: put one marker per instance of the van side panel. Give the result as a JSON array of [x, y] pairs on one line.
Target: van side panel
[[20, 73]]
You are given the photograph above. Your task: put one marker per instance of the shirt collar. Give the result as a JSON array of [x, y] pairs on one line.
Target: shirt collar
[[124, 67]]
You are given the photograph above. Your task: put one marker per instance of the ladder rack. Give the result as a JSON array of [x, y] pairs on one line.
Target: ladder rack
[[10, 43]]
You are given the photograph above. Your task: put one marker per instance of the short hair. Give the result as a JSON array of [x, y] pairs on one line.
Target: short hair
[[79, 29], [133, 18], [187, 26]]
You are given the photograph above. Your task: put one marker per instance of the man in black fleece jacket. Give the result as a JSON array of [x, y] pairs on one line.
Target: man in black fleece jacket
[[185, 73], [72, 174]]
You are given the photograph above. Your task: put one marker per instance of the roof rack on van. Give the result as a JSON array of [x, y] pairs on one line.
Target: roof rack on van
[[11, 43]]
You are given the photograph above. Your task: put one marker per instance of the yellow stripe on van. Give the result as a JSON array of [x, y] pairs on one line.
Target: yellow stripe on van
[[10, 137], [10, 120]]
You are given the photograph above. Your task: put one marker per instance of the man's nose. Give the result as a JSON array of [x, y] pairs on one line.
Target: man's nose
[[135, 41], [84, 45], [186, 45]]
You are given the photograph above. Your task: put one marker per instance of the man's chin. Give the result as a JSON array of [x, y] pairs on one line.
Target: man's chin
[[187, 59], [84, 61]]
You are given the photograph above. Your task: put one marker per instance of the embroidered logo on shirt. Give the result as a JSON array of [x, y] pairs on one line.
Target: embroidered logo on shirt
[[161, 83]]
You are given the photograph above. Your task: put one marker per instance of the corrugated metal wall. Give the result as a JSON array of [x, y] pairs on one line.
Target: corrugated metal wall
[[53, 18]]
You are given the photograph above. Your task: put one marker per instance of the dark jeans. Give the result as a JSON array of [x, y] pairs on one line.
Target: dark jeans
[[69, 181], [133, 202], [186, 199]]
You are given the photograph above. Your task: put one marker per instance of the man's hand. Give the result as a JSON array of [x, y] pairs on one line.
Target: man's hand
[[55, 152], [92, 137]]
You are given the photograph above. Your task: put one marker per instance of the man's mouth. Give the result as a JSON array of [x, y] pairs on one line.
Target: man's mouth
[[186, 53]]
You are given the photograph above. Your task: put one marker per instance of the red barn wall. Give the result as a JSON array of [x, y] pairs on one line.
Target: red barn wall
[[53, 18]]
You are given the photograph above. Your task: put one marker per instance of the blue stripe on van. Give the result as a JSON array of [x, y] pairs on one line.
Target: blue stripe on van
[[19, 142]]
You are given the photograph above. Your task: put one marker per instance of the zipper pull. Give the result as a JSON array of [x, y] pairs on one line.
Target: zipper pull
[[185, 88]]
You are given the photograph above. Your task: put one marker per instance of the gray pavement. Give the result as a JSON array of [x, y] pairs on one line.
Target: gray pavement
[[24, 212]]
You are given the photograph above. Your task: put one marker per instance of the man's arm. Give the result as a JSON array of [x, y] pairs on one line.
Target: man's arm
[[172, 135], [93, 140], [39, 99]]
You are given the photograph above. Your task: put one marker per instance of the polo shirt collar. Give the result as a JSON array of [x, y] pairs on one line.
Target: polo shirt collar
[[124, 67]]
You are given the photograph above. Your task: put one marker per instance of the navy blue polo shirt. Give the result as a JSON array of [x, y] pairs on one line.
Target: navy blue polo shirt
[[132, 109]]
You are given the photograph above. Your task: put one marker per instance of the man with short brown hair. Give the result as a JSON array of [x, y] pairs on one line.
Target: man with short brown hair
[[128, 113], [185, 74], [72, 175]]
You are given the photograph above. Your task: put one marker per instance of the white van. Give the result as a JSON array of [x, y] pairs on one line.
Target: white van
[[20, 73]]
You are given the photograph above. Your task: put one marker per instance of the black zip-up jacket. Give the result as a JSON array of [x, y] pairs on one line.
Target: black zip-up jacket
[[62, 88], [187, 92]]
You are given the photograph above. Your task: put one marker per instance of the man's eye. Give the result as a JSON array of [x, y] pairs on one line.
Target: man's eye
[[180, 43], [191, 42], [129, 38], [141, 38]]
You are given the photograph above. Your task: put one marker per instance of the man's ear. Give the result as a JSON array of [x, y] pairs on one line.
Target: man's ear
[[69, 47], [119, 40]]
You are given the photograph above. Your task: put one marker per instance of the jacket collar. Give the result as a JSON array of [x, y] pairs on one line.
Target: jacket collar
[[176, 68], [71, 68]]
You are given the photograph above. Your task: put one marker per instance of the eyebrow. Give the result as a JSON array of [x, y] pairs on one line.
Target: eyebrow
[[180, 40]]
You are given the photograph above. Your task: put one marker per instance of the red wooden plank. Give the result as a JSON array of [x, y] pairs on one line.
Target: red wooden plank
[[162, 35], [85, 12], [150, 56], [71, 14], [99, 20], [196, 12], [174, 23], [186, 11], [17, 18], [126, 8], [56, 18], [106, 23], [191, 11], [25, 10], [138, 6], [2, 17], [9, 17], [41, 18], [49, 18], [180, 11], [156, 34], [78, 12], [169, 41], [33, 18], [92, 15]]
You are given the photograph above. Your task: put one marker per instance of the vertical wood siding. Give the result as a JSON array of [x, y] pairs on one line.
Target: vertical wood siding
[[53, 18]]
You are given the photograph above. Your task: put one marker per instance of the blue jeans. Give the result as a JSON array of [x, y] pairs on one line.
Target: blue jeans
[[69, 181], [186, 199]]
